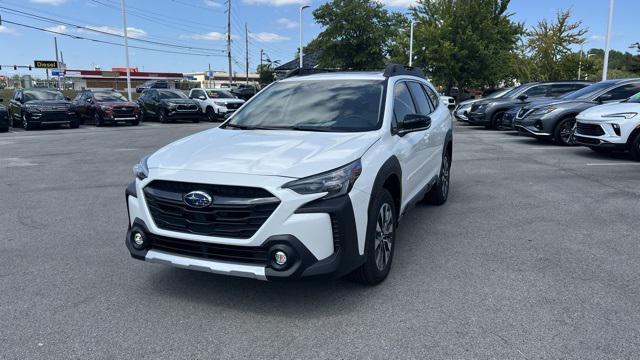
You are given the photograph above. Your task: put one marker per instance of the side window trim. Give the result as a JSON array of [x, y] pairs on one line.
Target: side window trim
[[415, 103]]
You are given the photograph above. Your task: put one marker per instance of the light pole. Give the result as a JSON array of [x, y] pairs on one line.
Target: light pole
[[126, 48], [413, 22], [301, 8], [586, 76], [607, 47]]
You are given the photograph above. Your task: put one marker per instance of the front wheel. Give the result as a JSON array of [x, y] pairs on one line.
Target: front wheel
[[635, 148], [439, 194], [564, 132], [98, 119], [162, 116], [379, 245], [26, 124], [496, 121], [211, 114]]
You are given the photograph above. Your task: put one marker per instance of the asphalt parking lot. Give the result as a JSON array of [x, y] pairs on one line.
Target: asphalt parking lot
[[536, 255]]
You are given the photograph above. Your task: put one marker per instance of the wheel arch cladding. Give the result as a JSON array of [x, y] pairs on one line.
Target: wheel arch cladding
[[635, 132], [390, 178]]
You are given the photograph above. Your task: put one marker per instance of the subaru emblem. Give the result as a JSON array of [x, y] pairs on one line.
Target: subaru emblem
[[198, 199]]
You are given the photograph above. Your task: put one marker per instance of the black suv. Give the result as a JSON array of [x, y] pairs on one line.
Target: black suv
[[105, 106], [168, 105], [153, 84], [31, 108], [555, 119], [4, 118], [489, 112]]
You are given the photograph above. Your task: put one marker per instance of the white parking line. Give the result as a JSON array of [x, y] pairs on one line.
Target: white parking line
[[614, 164]]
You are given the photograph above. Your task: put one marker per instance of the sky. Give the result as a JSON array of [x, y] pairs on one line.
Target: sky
[[273, 27]]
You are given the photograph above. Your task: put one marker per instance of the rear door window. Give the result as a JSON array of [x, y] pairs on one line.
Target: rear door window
[[402, 102], [624, 91], [420, 98]]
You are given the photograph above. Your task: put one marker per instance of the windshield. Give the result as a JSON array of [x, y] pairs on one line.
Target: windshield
[[516, 90], [325, 105], [635, 98], [498, 93], [110, 96], [219, 94], [587, 92], [43, 95], [167, 94]]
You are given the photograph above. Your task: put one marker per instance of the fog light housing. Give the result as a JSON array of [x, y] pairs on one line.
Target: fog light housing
[[138, 240], [538, 124], [280, 258], [616, 129]]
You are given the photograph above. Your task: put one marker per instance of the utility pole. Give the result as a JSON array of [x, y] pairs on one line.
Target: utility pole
[[607, 47], [246, 49], [413, 23], [301, 54], [55, 43], [126, 48], [209, 75], [229, 39], [580, 63]]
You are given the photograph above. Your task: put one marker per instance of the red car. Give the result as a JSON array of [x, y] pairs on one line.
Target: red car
[[105, 106]]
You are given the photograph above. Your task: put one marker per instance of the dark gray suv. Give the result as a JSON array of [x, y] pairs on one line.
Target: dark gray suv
[[489, 112], [555, 119]]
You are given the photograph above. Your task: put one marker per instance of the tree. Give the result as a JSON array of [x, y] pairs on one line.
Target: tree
[[357, 34], [465, 42], [266, 71], [550, 45]]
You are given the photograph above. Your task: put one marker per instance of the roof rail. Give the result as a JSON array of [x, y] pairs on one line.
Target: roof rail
[[398, 69], [307, 71]]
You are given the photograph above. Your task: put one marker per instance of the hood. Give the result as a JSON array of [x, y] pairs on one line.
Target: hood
[[595, 113], [293, 154], [117, 103], [469, 102], [49, 102], [229, 100], [179, 101]]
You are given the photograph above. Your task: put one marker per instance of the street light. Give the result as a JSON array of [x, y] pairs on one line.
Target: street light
[[607, 47], [126, 49], [301, 8], [413, 22]]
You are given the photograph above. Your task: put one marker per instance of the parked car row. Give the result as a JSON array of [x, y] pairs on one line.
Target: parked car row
[[31, 108], [602, 116]]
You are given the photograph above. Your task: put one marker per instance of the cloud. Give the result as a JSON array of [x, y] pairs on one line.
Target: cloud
[[268, 37], [597, 38], [7, 30], [58, 28], [131, 31], [210, 36], [287, 23], [276, 2], [212, 3], [398, 3], [49, 2]]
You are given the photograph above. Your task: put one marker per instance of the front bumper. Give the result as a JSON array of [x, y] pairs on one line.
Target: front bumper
[[320, 238], [610, 139], [532, 126], [53, 117], [478, 118], [184, 115]]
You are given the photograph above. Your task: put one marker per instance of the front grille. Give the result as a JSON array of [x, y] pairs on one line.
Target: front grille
[[236, 212], [586, 140], [54, 116], [233, 106], [123, 112], [203, 250], [590, 129], [191, 107], [335, 229], [523, 112]]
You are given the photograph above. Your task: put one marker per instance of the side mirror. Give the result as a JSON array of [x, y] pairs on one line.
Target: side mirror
[[523, 97], [414, 122], [67, 98], [604, 97], [451, 106], [1, 99], [202, 97]]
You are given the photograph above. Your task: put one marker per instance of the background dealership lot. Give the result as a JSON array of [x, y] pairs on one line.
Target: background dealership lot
[[535, 255]]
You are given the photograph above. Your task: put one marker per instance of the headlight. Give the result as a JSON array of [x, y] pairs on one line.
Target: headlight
[[141, 170], [335, 182], [625, 115], [220, 103], [481, 107], [544, 110]]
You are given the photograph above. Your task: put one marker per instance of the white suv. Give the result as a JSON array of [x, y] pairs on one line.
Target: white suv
[[611, 127], [309, 178], [216, 103]]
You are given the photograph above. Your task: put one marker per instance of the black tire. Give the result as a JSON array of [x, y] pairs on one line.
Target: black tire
[[211, 114], [195, 121], [98, 120], [496, 121], [135, 122], [142, 116], [26, 124], [15, 123], [162, 116], [4, 129], [379, 245], [635, 148], [74, 124], [563, 132], [439, 194]]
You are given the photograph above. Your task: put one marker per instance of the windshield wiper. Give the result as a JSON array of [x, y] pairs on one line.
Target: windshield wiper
[[244, 127], [310, 128]]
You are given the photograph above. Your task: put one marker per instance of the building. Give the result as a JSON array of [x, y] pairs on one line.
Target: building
[[221, 78], [117, 78], [310, 61]]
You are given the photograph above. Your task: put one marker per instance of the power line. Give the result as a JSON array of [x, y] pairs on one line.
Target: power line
[[46, 19], [105, 42]]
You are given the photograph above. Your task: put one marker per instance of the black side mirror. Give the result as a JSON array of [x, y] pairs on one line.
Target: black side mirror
[[604, 97], [67, 98], [414, 122], [523, 97], [1, 99]]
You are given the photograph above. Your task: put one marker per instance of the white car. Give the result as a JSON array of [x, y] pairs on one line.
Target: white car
[[448, 101], [309, 178], [611, 127], [216, 104]]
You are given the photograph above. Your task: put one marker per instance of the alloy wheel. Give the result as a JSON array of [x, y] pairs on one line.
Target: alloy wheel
[[444, 175], [25, 123], [567, 132], [384, 236]]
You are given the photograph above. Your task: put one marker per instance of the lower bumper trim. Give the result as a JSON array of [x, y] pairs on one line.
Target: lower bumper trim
[[535, 133]]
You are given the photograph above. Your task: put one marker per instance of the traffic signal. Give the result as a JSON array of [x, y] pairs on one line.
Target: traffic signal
[[29, 67], [15, 67]]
